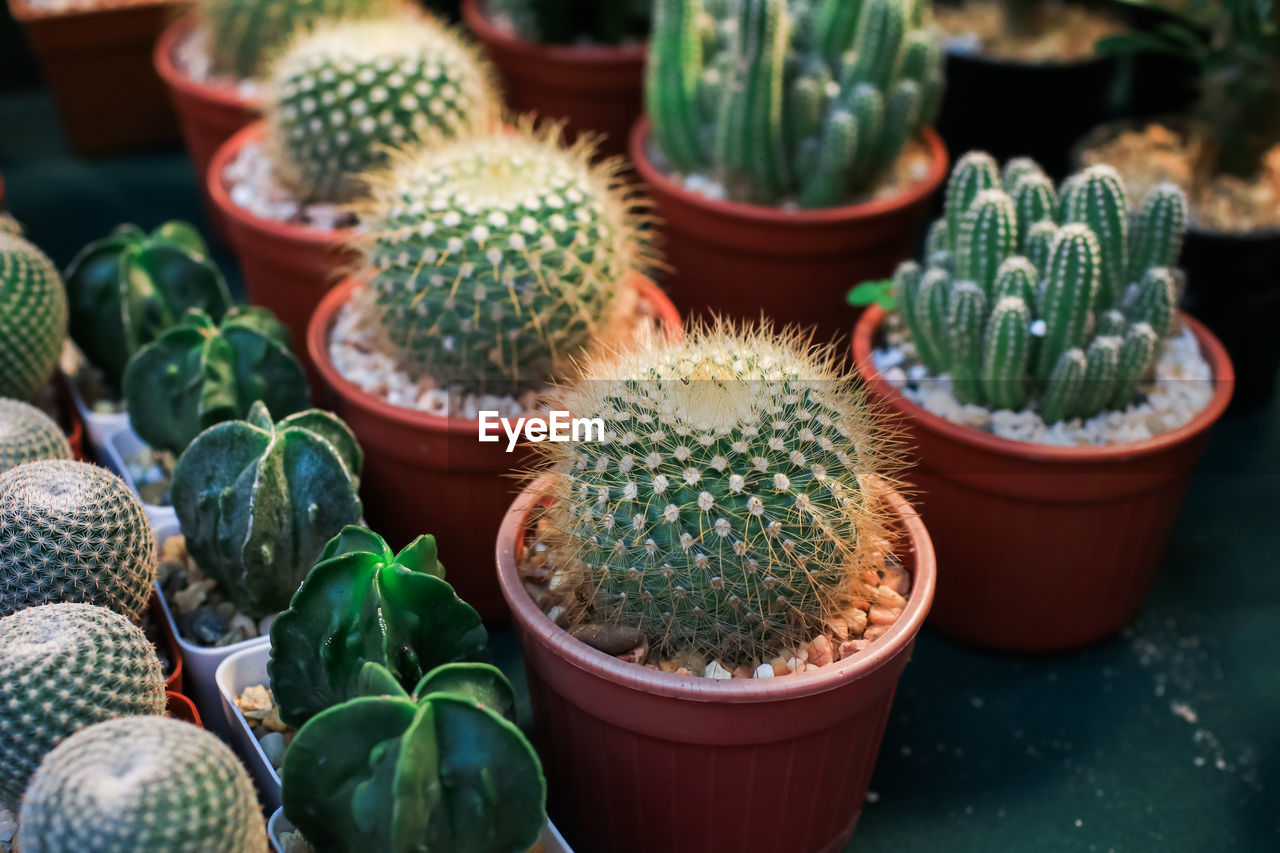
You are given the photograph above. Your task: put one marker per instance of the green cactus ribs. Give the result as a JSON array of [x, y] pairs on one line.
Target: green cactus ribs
[[28, 435], [33, 317]]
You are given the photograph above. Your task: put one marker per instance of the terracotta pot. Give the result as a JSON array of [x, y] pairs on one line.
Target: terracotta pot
[[179, 707], [207, 114], [794, 266], [69, 415], [287, 268], [1044, 548], [174, 682], [429, 474], [595, 89], [97, 62], [642, 760]]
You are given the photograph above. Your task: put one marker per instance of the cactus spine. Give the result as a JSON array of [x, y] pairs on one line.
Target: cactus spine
[[27, 435], [33, 317]]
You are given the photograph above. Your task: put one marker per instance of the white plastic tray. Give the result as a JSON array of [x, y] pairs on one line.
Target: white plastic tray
[[120, 446], [247, 668]]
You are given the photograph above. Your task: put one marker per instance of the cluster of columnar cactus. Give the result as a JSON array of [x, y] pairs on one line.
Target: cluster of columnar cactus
[[347, 92], [73, 532], [172, 787], [27, 435], [495, 261], [561, 22], [1054, 298], [733, 498], [64, 667], [33, 317], [127, 288], [811, 99], [199, 373]]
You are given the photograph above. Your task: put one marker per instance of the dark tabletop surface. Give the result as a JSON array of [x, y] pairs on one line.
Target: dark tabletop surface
[[1165, 738]]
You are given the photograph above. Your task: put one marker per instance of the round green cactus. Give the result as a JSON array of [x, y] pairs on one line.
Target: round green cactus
[[198, 373], [127, 288], [73, 532], [172, 786], [728, 507], [366, 604], [27, 435], [64, 667], [259, 500], [350, 91], [33, 317], [499, 259]]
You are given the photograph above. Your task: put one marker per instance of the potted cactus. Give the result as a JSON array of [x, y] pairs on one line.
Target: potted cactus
[[33, 317], [580, 62], [725, 602], [28, 435], [1057, 399], [788, 143], [489, 264], [338, 99], [212, 63]]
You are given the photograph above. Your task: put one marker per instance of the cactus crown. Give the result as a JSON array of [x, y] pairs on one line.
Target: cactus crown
[[811, 99], [64, 667], [349, 89], [172, 787], [33, 317], [729, 509], [28, 434], [494, 261], [1057, 299], [71, 531], [561, 22]]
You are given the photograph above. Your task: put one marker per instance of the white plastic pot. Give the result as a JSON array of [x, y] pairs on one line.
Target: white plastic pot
[[248, 668], [122, 445], [278, 825], [98, 427]]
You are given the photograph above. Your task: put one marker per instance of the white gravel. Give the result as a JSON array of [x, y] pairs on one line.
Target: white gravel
[[191, 56], [252, 185]]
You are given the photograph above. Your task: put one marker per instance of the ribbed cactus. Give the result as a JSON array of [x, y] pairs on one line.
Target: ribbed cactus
[[727, 510], [33, 317], [73, 532], [569, 21], [493, 262], [258, 501], [349, 91], [245, 35], [130, 286], [27, 435], [64, 667], [1076, 301], [811, 99], [142, 784], [198, 373]]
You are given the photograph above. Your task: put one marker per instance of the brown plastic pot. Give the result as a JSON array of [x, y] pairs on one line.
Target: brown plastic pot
[[793, 266], [593, 88], [1044, 548], [179, 707], [642, 760], [429, 474], [97, 62], [287, 268], [208, 115]]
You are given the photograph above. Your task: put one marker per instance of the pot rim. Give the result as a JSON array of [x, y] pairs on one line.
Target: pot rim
[[216, 184], [1022, 65], [1210, 347], [176, 78], [323, 318], [24, 12], [185, 701], [939, 165], [692, 688], [580, 55]]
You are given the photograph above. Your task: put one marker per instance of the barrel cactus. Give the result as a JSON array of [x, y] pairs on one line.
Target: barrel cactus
[[245, 35], [1066, 313], [494, 262], [779, 99], [27, 435], [64, 667], [259, 500], [73, 532], [173, 787], [33, 317], [199, 373], [127, 288], [348, 92], [735, 499], [561, 22]]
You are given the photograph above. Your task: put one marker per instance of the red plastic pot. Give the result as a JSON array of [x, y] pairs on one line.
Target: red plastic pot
[[794, 266], [208, 115], [69, 415], [642, 760], [97, 62], [287, 268], [179, 707], [1044, 548], [429, 474], [173, 683], [595, 89]]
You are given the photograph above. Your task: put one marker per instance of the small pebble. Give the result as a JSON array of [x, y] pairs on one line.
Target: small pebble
[[820, 652], [715, 670], [272, 744], [765, 670]]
